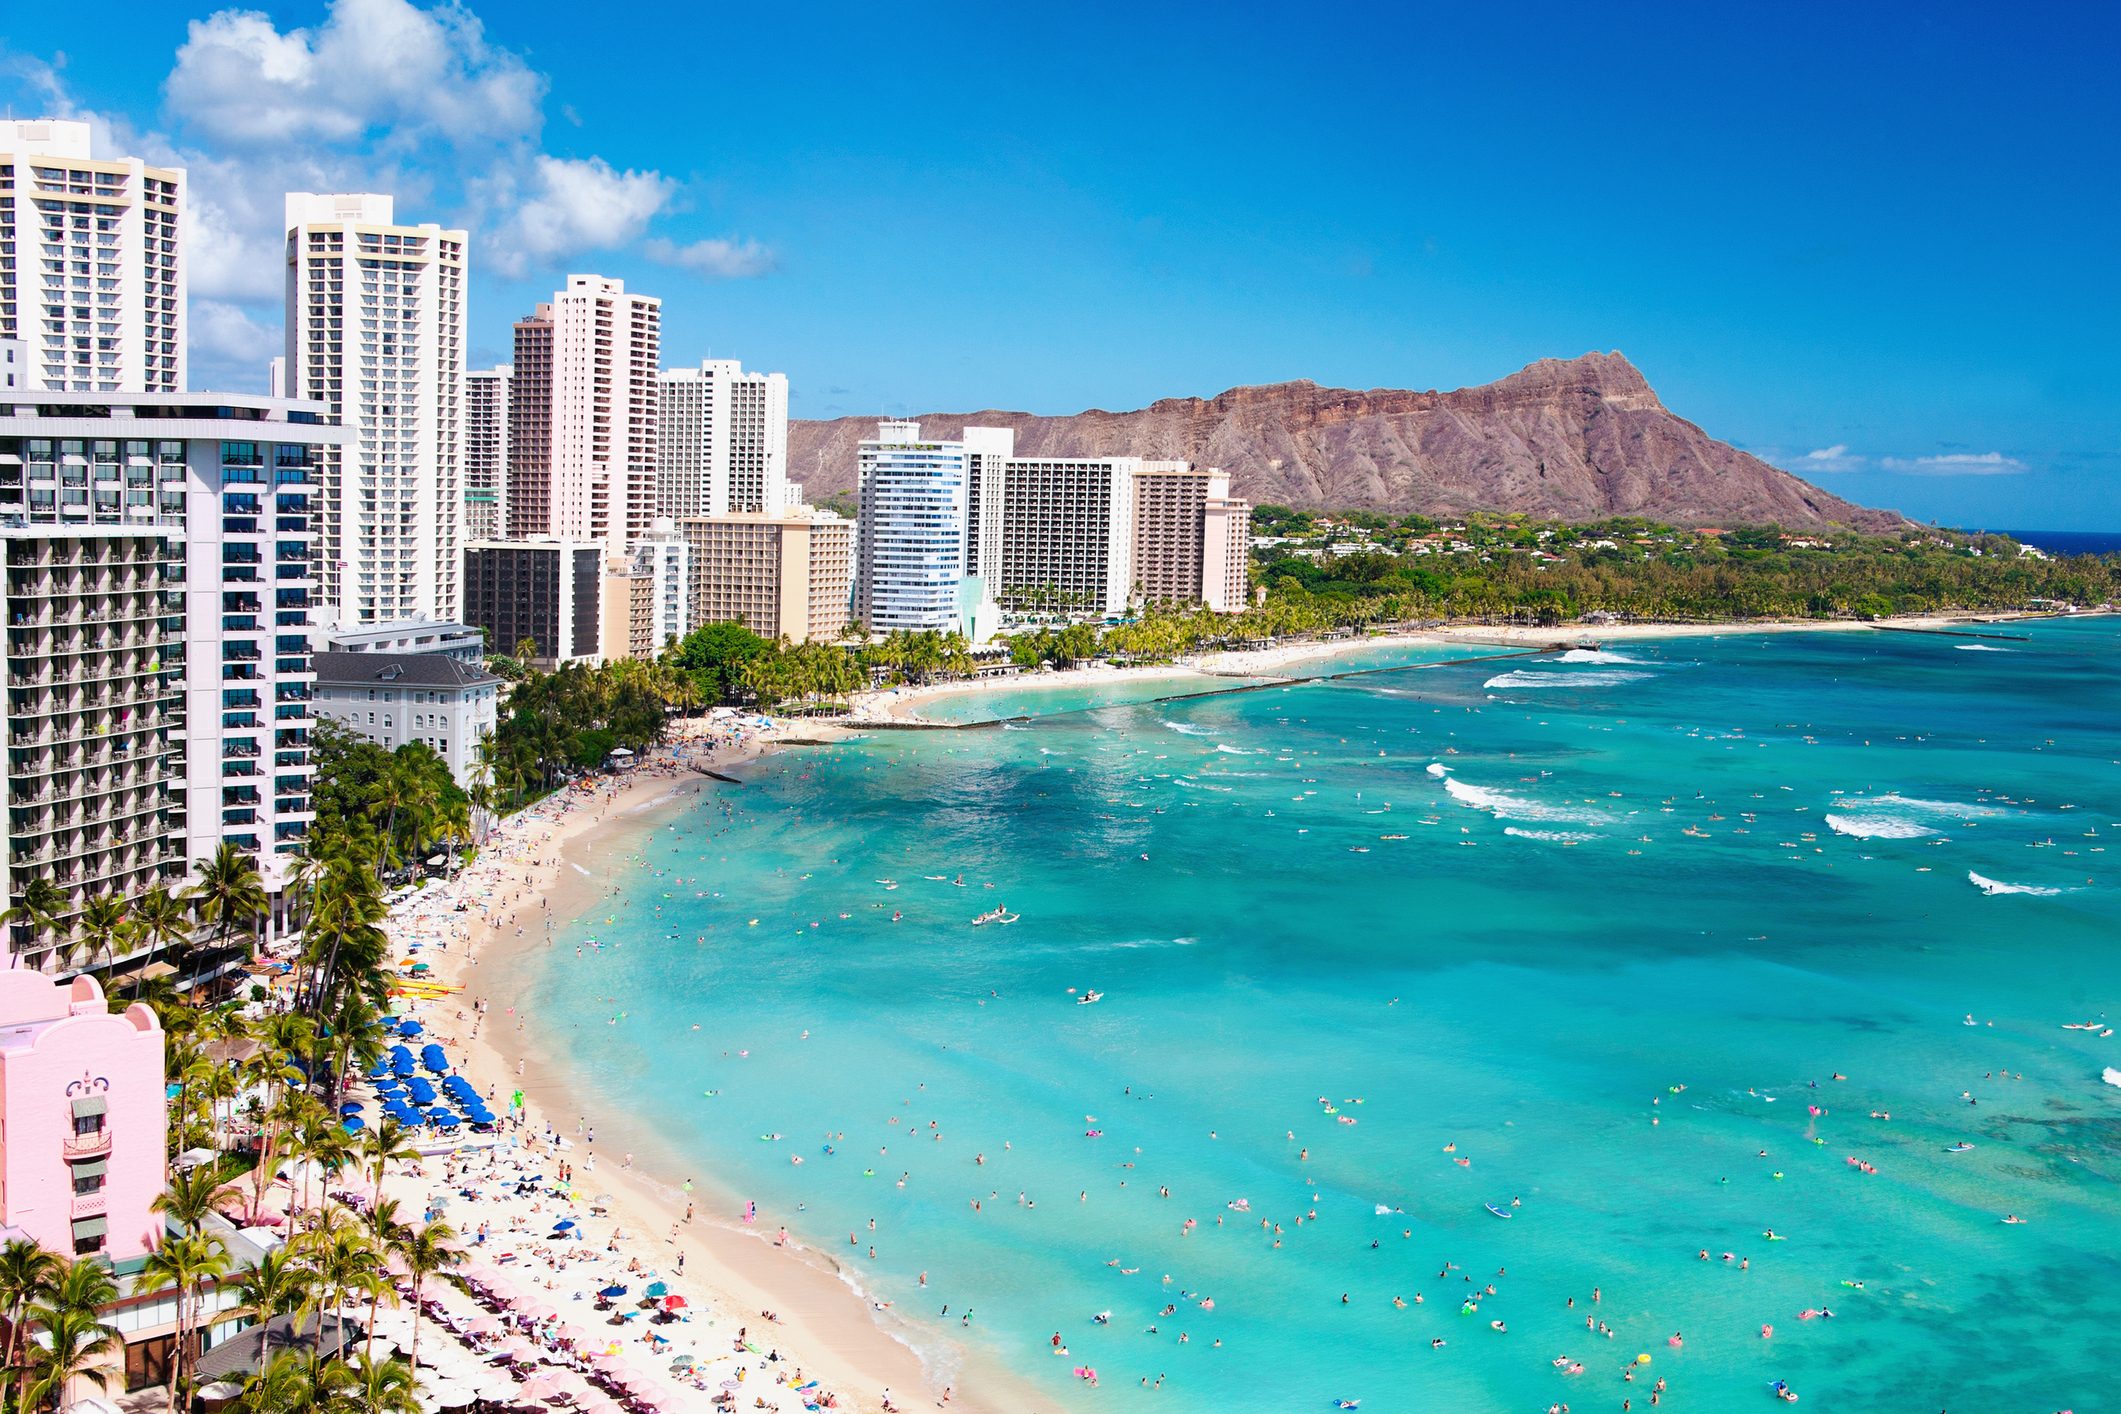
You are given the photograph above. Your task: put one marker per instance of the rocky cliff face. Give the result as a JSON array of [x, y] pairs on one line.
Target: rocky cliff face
[[1569, 439]]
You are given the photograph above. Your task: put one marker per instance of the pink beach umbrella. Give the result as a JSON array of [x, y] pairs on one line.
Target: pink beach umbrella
[[521, 1351], [539, 1311], [570, 1334], [540, 1387], [485, 1326], [569, 1385]]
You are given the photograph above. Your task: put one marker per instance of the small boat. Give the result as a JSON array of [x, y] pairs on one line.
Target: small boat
[[1088, 997], [1503, 1213]]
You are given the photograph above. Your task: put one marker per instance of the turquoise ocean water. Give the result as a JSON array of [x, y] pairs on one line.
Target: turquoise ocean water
[[1512, 907]]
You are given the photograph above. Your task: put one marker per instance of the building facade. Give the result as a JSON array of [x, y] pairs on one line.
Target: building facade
[[586, 369], [1191, 538], [1062, 538], [160, 587], [486, 452], [377, 326], [546, 591], [91, 263], [665, 557], [527, 502], [910, 540], [83, 1122], [722, 441], [394, 699], [781, 576]]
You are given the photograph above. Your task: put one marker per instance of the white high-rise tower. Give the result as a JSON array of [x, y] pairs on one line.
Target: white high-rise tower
[[486, 393], [376, 330], [723, 441], [91, 263]]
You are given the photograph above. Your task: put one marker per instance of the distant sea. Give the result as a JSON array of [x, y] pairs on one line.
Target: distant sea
[[2069, 542], [1660, 949]]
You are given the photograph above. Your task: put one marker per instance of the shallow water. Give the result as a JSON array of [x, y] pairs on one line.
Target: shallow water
[[1736, 865]]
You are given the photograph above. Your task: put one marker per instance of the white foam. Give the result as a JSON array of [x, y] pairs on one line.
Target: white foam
[[1915, 805], [1190, 729], [1595, 655], [1229, 750], [2111, 1076], [1993, 887], [1439, 770], [1553, 836], [1877, 827], [1544, 680], [1978, 648], [1504, 806]]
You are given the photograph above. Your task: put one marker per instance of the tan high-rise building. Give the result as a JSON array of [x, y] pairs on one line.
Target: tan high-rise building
[[377, 326], [786, 575], [1191, 538], [91, 263], [528, 499]]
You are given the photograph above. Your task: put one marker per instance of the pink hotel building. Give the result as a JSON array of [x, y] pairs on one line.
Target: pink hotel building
[[83, 1124]]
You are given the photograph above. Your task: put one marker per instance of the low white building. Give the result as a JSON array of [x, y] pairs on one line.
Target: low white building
[[395, 698]]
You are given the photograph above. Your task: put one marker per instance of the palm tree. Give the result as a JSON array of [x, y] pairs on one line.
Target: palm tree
[[229, 896], [279, 1283], [27, 1273], [185, 1264], [96, 935], [372, 1386], [387, 1143], [282, 1385], [36, 909], [159, 926], [76, 1345], [427, 1252], [191, 1195]]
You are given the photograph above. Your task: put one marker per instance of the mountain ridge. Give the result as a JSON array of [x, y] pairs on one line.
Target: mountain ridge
[[1574, 439]]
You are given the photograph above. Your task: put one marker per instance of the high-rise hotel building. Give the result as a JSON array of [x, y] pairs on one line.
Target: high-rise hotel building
[[376, 331], [723, 441], [583, 415], [91, 263], [157, 658], [1192, 538], [911, 571], [486, 429]]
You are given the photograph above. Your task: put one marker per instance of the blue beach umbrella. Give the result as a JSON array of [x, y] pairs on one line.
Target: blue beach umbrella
[[410, 1027], [612, 1290], [422, 1092], [353, 1124], [442, 1118], [656, 1288], [349, 1108]]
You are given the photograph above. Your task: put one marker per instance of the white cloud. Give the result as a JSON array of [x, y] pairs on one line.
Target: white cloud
[[228, 348], [381, 67], [579, 204], [715, 259], [1834, 458], [1957, 464]]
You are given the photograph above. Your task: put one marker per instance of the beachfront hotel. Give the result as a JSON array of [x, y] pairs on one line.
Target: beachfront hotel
[[486, 392], [1062, 536], [781, 575], [722, 441], [91, 262], [545, 591], [159, 588], [911, 571], [394, 699], [377, 325], [583, 408], [1191, 538]]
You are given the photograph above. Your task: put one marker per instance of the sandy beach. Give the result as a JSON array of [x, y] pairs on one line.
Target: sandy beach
[[539, 865]]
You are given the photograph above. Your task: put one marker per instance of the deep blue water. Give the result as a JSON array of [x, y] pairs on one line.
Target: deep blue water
[[2070, 542], [1607, 928]]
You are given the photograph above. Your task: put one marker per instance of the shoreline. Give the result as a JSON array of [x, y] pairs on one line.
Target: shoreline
[[541, 862], [1214, 671]]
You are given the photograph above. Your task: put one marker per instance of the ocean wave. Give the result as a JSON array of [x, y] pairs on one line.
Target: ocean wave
[[1595, 655], [1229, 750], [1191, 729], [1877, 827], [1522, 679], [1553, 836], [1917, 805], [1978, 648], [1439, 770], [1993, 887], [1505, 806]]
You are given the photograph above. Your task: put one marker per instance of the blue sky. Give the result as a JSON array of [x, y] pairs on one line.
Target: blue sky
[[1873, 244]]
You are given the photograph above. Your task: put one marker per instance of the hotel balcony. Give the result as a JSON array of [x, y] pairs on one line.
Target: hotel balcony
[[94, 1144]]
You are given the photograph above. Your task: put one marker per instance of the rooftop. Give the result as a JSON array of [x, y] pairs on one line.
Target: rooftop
[[398, 669]]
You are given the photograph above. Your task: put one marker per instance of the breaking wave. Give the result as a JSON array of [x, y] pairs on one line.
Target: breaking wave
[[1439, 770], [1993, 887], [1505, 806], [1190, 729], [1978, 648], [1878, 827], [1555, 836], [1522, 679], [1595, 655]]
